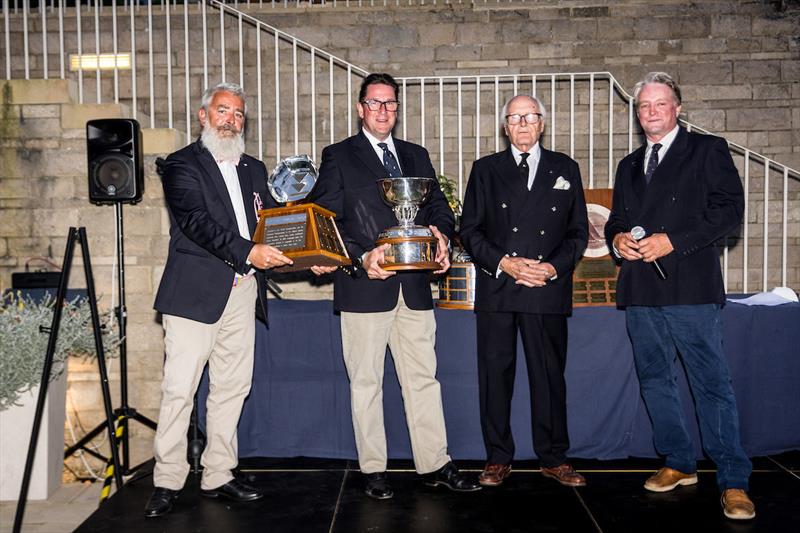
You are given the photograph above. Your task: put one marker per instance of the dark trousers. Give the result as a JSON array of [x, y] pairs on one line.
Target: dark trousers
[[658, 335], [544, 339]]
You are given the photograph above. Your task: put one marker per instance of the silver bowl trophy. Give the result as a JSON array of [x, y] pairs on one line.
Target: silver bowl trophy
[[304, 232], [411, 247]]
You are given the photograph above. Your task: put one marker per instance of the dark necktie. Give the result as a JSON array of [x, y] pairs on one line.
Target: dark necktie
[[524, 171], [652, 163], [390, 162]]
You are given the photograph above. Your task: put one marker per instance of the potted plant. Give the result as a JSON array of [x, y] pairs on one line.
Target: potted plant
[[23, 345]]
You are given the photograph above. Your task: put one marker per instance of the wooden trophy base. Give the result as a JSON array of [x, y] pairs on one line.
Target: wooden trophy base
[[305, 233]]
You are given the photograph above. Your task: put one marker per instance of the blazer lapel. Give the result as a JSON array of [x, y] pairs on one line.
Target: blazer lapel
[[509, 175], [364, 152], [545, 176], [406, 160], [637, 173], [208, 165], [246, 184]]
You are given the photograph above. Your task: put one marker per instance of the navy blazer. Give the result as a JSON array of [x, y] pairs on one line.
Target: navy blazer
[[347, 186], [696, 198], [502, 217], [205, 248]]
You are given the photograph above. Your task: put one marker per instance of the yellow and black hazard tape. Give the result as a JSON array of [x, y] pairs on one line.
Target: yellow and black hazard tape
[[109, 474]]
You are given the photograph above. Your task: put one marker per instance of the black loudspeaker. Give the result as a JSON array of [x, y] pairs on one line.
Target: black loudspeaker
[[116, 170]]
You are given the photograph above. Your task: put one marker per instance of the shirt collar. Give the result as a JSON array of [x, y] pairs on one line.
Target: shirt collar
[[374, 141], [535, 151], [666, 140]]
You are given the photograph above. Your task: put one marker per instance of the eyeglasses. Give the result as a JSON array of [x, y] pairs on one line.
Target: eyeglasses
[[530, 118], [375, 105]]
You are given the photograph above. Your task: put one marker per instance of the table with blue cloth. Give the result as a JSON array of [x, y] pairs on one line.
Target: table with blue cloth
[[299, 404]]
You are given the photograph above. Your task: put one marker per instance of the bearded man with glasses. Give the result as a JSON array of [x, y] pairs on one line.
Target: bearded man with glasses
[[524, 224], [380, 307]]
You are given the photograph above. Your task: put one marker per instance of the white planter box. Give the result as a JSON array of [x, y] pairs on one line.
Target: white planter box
[[16, 424]]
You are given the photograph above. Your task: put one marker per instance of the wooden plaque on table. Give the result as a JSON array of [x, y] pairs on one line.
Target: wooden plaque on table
[[594, 282], [305, 233]]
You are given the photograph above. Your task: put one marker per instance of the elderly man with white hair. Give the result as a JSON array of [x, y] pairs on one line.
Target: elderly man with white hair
[[524, 224]]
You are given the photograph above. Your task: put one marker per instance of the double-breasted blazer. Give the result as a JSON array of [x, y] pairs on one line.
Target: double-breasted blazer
[[348, 186], [695, 196], [205, 248], [548, 223]]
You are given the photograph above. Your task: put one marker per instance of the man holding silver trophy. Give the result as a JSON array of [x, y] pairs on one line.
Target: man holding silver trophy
[[385, 297]]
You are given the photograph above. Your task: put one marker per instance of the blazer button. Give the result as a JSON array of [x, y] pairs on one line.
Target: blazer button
[[513, 254], [503, 205], [553, 208], [541, 232], [539, 257], [515, 229]]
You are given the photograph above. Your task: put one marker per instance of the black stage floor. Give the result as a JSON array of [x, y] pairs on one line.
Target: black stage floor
[[315, 495]]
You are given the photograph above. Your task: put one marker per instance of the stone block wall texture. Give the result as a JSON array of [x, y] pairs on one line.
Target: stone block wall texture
[[737, 62]]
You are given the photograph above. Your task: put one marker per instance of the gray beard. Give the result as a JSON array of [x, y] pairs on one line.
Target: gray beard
[[222, 148]]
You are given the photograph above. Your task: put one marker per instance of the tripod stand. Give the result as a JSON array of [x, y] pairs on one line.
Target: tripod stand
[[75, 235], [124, 412]]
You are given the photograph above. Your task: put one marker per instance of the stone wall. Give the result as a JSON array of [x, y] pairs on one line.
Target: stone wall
[[738, 63]]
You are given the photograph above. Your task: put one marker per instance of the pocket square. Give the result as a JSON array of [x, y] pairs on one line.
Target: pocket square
[[561, 184]]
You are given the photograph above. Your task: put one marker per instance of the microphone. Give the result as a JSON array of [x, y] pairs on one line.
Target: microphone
[[638, 233]]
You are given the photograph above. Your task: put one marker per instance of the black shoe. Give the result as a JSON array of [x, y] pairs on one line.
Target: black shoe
[[235, 490], [450, 477], [377, 486], [160, 502]]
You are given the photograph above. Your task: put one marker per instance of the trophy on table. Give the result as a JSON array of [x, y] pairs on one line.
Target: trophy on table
[[411, 247], [305, 232]]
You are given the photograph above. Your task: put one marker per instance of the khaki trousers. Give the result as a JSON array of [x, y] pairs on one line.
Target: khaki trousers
[[411, 336], [228, 346]]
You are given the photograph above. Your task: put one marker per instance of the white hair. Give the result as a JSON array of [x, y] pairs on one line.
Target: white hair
[[227, 87], [539, 105]]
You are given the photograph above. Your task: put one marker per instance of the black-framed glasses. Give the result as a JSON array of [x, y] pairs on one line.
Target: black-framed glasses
[[530, 118], [375, 105]]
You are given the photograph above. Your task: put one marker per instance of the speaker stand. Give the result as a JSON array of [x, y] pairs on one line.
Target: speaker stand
[[125, 411], [75, 235]]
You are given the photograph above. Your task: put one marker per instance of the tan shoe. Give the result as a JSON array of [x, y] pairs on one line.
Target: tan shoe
[[565, 474], [736, 505], [667, 479], [494, 474]]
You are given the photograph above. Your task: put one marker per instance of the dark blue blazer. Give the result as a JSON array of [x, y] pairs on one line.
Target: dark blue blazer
[[501, 216], [696, 198], [347, 186], [205, 248]]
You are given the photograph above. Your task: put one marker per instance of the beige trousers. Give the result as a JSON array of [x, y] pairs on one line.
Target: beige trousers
[[228, 346], [411, 336]]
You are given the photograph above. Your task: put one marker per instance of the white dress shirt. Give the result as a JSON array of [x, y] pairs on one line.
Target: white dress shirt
[[379, 151], [665, 143], [533, 160], [231, 177]]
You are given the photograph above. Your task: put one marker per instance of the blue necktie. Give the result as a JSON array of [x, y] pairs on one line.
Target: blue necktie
[[390, 162], [652, 163]]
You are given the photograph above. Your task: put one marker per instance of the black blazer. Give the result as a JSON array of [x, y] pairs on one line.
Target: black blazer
[[205, 248], [501, 217], [347, 186], [696, 198]]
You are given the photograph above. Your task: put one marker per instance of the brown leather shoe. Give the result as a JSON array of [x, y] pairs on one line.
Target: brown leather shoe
[[494, 474], [667, 479], [736, 505], [565, 474]]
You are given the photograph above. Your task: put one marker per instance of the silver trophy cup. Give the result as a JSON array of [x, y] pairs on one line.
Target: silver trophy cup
[[411, 247]]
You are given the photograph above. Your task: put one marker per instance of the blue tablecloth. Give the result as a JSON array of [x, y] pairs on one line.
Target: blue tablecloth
[[300, 402]]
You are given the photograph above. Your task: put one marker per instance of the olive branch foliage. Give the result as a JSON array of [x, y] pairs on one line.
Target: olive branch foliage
[[23, 344]]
